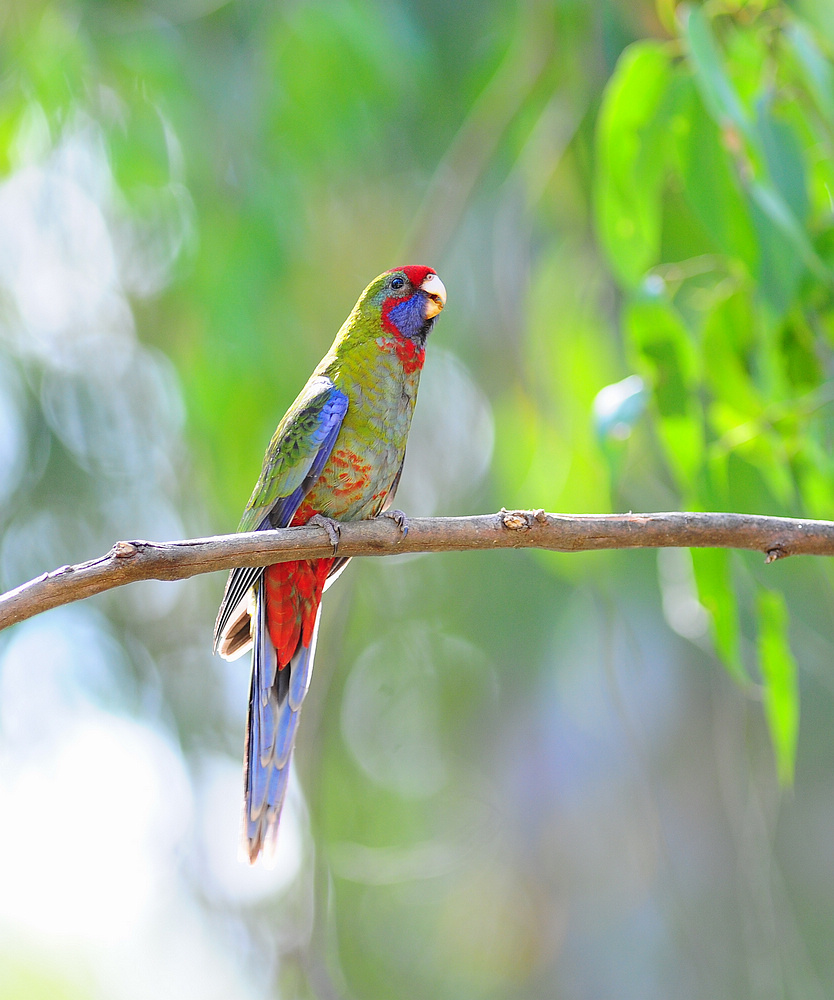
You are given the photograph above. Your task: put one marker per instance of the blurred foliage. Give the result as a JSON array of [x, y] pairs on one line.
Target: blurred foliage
[[520, 778], [716, 148]]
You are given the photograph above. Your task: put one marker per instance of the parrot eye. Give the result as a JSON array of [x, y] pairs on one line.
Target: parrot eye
[[397, 282]]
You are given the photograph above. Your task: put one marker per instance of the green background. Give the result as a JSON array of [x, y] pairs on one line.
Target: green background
[[519, 775]]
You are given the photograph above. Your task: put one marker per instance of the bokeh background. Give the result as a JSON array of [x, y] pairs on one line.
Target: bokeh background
[[519, 775]]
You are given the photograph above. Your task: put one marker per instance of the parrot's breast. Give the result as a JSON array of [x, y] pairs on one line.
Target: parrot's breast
[[368, 453]]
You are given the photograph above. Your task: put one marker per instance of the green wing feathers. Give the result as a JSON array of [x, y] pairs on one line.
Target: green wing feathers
[[296, 454]]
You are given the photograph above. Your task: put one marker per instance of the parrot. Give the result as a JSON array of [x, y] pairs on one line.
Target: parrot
[[336, 455]]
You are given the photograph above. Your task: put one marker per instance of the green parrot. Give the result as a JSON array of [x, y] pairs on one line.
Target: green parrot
[[337, 455]]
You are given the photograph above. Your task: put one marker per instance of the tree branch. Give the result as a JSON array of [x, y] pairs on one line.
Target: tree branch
[[127, 562]]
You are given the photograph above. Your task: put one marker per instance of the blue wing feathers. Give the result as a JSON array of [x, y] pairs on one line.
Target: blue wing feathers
[[324, 437], [324, 433]]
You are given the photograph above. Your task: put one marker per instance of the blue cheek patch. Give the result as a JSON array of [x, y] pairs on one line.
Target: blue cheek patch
[[408, 317]]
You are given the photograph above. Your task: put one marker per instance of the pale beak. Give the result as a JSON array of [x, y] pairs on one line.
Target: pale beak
[[436, 292]]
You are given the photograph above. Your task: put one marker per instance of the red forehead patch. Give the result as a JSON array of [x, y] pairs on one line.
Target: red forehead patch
[[416, 273]]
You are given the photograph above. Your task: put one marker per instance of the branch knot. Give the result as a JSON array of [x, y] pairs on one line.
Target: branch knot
[[517, 520]]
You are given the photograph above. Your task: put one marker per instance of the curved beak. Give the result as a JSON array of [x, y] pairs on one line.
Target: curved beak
[[435, 295]]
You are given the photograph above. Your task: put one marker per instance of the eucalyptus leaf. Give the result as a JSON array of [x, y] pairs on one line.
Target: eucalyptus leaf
[[717, 593], [719, 94], [631, 150], [780, 684]]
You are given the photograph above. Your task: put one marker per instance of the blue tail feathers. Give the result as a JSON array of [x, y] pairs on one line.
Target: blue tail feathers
[[275, 698]]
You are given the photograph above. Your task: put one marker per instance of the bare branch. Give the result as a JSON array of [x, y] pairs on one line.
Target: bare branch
[[128, 562]]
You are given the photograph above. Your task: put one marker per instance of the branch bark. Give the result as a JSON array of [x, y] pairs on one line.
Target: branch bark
[[128, 562]]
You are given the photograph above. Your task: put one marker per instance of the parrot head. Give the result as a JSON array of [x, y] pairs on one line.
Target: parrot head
[[402, 305], [410, 300]]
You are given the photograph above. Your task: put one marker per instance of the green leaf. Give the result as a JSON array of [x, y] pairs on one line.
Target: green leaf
[[710, 184], [716, 88], [668, 361], [713, 575], [776, 211], [631, 151], [785, 160], [815, 67], [728, 341], [659, 334], [760, 453], [779, 680], [799, 351]]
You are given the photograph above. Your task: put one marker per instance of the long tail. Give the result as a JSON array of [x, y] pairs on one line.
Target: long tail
[[280, 679]]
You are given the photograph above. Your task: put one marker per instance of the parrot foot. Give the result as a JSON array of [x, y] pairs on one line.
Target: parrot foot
[[330, 526], [399, 518]]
